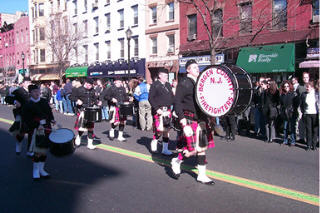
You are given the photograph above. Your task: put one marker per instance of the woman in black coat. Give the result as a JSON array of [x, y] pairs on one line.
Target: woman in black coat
[[288, 112], [270, 101]]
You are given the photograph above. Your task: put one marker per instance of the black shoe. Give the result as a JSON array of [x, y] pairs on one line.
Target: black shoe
[[207, 183], [96, 138], [232, 138], [226, 138], [308, 148]]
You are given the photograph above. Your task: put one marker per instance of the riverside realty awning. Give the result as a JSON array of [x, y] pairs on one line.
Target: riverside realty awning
[[267, 59], [73, 72]]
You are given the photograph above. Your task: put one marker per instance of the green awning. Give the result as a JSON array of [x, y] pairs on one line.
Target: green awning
[[267, 59], [72, 72]]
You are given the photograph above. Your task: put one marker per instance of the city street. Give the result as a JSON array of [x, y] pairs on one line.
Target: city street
[[250, 176]]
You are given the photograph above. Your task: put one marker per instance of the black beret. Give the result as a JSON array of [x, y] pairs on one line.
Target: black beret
[[163, 70], [32, 87], [190, 61], [89, 80]]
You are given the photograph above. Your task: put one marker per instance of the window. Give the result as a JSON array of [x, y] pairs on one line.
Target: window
[[315, 11], [121, 41], [154, 15], [85, 26], [107, 22], [76, 53], [17, 37], [22, 38], [32, 9], [75, 7], [36, 34], [96, 20], [96, 45], [135, 15], [65, 21], [121, 24], [42, 34], [75, 28], [107, 2], [85, 5], [279, 14], [171, 42], [85, 47], [35, 11], [42, 55], [192, 27], [154, 48], [218, 23], [41, 9], [108, 43], [33, 36], [136, 46], [246, 17], [171, 11]]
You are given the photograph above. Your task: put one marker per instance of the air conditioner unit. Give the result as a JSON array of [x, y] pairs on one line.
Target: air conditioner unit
[[154, 21], [192, 37], [170, 50], [108, 28], [95, 5], [315, 18]]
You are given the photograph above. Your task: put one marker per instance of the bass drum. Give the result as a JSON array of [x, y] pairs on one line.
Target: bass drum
[[223, 89], [62, 142]]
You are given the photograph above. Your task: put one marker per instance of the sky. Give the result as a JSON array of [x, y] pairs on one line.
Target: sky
[[11, 6]]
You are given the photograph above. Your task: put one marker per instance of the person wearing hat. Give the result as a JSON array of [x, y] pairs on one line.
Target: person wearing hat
[[197, 136], [19, 97], [38, 117], [84, 96], [116, 95], [161, 100]]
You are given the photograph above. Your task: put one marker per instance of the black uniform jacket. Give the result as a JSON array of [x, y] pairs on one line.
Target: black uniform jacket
[[119, 93], [33, 112], [87, 97], [160, 95], [185, 100]]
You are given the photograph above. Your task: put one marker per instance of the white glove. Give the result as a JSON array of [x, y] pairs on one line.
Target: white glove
[[187, 130], [183, 122], [79, 102], [43, 121], [159, 111], [114, 100]]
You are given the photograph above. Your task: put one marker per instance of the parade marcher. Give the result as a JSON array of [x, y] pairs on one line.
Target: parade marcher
[[161, 99], [38, 117], [141, 94], [117, 95], [19, 97], [288, 111], [310, 109], [195, 125], [230, 126], [84, 96]]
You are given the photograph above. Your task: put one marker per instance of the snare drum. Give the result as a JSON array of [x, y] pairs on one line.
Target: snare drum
[[62, 142], [126, 109], [92, 114]]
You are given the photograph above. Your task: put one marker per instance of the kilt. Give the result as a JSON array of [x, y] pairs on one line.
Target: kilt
[[81, 124], [116, 117]]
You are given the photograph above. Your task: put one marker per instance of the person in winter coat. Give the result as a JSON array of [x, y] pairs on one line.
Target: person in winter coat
[[288, 111]]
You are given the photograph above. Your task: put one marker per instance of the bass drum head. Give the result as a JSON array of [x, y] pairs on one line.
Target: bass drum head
[[62, 142], [222, 90]]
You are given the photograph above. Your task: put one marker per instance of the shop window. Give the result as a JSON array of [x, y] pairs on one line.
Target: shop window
[[279, 15]]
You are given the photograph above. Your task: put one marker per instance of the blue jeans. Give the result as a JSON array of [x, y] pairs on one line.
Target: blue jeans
[[105, 112], [56, 102], [60, 106], [68, 107]]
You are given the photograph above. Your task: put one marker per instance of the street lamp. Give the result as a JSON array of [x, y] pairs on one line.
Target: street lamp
[[129, 35], [22, 57]]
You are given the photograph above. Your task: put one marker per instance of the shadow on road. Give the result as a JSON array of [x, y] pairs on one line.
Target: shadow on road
[[71, 176]]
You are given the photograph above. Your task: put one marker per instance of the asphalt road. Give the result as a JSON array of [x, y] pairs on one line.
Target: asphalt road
[[250, 176]]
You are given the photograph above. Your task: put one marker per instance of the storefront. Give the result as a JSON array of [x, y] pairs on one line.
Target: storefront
[[45, 77], [274, 61], [118, 69], [76, 72]]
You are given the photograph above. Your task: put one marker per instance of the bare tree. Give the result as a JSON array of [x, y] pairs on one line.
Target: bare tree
[[213, 22], [63, 39]]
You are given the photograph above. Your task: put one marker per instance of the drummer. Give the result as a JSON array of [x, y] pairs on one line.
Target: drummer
[[117, 95], [197, 136], [37, 115], [84, 97], [161, 100]]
